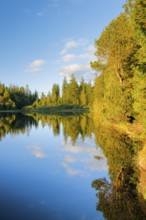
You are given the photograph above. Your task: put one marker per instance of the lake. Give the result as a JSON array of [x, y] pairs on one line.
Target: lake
[[46, 169], [52, 168]]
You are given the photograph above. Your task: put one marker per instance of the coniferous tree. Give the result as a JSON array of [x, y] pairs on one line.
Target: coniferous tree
[[138, 17], [116, 50], [73, 90], [83, 96], [55, 93], [65, 94]]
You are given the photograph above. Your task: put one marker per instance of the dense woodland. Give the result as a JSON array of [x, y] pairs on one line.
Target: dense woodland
[[72, 93], [119, 91]]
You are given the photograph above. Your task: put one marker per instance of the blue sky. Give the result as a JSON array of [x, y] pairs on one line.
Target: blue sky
[[44, 40]]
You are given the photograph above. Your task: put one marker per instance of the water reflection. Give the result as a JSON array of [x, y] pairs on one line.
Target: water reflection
[[46, 167], [120, 198], [121, 195], [16, 124], [78, 159], [37, 151], [73, 126]]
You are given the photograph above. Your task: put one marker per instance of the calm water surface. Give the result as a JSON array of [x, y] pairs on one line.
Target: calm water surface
[[47, 166], [52, 168]]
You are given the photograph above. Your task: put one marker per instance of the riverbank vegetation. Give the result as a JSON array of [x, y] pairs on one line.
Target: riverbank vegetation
[[120, 88], [73, 95]]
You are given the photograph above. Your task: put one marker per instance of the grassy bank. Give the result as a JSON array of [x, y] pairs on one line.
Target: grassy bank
[[52, 109], [132, 130]]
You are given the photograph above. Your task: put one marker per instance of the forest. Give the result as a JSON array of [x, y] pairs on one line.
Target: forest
[[72, 94], [120, 89], [118, 94]]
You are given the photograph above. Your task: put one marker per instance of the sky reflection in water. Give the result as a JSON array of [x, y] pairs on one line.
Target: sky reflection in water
[[47, 176]]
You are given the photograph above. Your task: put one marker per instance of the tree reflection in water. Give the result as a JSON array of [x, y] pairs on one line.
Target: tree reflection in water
[[73, 126], [118, 198]]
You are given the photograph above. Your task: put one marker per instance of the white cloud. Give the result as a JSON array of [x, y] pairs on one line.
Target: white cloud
[[89, 53], [68, 57], [35, 66], [70, 69], [77, 69], [72, 44], [79, 59]]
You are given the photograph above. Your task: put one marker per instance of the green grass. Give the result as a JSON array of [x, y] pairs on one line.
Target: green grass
[[51, 109], [62, 110]]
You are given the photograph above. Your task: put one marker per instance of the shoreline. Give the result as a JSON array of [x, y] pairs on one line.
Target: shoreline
[[48, 110]]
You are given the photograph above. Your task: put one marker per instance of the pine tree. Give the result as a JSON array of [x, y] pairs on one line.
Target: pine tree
[[115, 47], [64, 91], [55, 93], [83, 97], [138, 16], [73, 90]]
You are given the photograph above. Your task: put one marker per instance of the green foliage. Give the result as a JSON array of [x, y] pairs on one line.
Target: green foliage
[[55, 93], [73, 91], [73, 94], [2, 89], [120, 96], [120, 89], [115, 46], [138, 17], [65, 93], [14, 97], [139, 95], [121, 192]]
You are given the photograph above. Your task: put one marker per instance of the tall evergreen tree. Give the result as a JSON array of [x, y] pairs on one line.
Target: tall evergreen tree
[[115, 47], [138, 17], [73, 90], [65, 94], [55, 93]]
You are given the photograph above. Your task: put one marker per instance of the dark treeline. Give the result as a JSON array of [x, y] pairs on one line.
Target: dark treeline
[[120, 89], [15, 97], [71, 93]]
